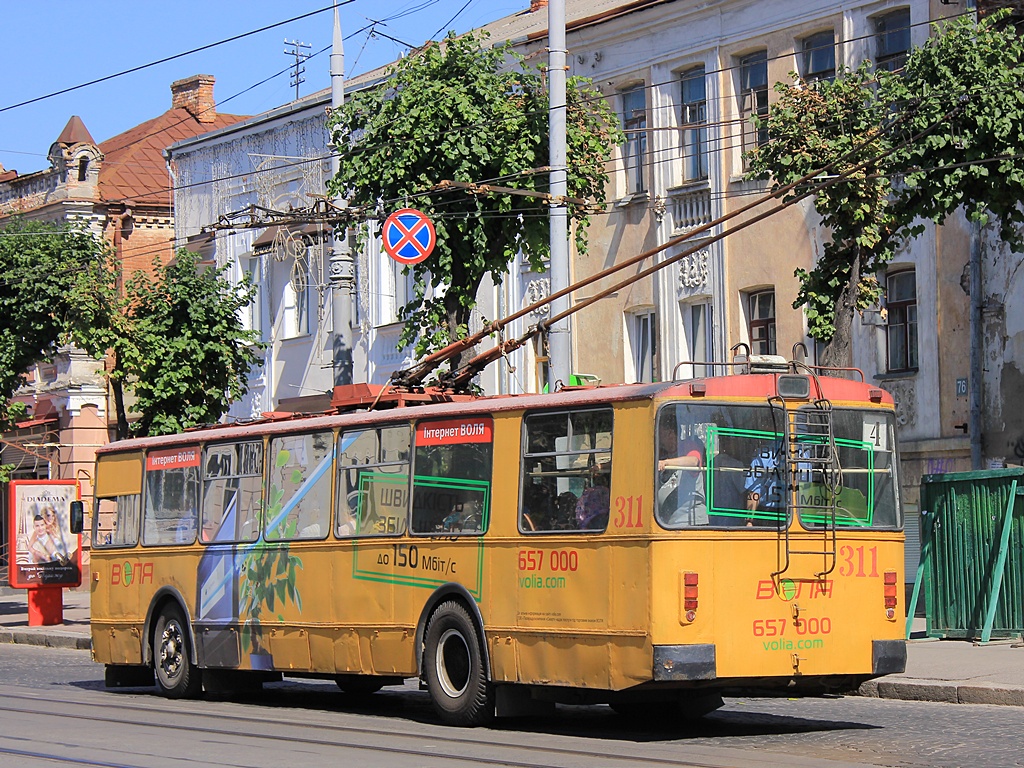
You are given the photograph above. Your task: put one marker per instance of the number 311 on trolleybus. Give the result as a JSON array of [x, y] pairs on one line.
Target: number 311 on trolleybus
[[648, 546]]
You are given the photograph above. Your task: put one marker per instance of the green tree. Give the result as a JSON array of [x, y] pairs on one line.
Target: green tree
[[43, 267], [466, 112], [946, 132], [175, 340]]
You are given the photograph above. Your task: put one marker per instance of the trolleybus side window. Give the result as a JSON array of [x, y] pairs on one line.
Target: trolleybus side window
[[232, 491], [171, 505], [299, 490], [451, 486], [116, 522], [373, 481], [567, 464], [719, 465]]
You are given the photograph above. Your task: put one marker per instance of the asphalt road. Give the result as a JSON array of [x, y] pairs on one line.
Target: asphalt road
[[55, 710]]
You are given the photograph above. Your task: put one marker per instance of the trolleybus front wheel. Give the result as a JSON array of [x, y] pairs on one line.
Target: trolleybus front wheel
[[454, 668], [176, 676]]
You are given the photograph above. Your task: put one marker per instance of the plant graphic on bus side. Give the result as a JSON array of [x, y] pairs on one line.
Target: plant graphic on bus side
[[267, 573]]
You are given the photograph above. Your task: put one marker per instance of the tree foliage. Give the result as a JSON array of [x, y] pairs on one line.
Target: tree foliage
[[466, 112], [175, 339], [946, 132], [42, 267]]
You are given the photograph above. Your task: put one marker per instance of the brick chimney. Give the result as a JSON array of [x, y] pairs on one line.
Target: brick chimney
[[536, 5], [195, 94]]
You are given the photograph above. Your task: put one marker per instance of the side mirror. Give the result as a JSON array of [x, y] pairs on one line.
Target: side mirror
[[77, 516]]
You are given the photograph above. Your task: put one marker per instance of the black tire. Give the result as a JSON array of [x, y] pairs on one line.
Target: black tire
[[176, 676], [453, 666], [359, 685]]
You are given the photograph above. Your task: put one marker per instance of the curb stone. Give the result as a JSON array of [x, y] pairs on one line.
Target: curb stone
[[75, 642], [908, 689]]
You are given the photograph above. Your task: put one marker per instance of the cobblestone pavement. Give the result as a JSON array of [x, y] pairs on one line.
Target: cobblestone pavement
[[773, 732]]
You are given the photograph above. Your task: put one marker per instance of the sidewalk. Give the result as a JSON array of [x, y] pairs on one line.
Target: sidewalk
[[952, 671]]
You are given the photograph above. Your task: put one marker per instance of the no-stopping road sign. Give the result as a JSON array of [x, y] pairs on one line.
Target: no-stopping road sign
[[409, 236]]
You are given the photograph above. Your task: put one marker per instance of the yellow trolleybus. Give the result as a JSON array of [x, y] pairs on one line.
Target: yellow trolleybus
[[648, 546]]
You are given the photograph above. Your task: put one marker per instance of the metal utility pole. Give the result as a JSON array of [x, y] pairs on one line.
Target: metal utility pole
[[298, 50], [559, 338], [342, 267]]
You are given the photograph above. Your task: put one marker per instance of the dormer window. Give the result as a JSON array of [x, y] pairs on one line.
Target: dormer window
[[83, 168]]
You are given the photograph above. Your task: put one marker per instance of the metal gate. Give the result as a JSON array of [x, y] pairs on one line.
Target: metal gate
[[972, 554]]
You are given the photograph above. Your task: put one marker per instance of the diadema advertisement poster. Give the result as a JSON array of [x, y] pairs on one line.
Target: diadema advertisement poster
[[45, 553]]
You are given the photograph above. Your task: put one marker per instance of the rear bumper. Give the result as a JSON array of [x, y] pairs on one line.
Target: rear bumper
[[684, 662], [888, 657]]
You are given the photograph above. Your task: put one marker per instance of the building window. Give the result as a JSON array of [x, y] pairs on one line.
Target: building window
[[697, 335], [251, 313], [761, 307], [634, 123], [83, 169], [901, 330], [694, 123], [819, 57], [295, 307], [892, 39], [642, 345], [753, 98]]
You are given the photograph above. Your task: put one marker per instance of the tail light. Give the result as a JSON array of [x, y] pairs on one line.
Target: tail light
[[690, 595], [890, 590]]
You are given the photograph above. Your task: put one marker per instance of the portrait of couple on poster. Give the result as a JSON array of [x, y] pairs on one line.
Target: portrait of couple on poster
[[45, 540]]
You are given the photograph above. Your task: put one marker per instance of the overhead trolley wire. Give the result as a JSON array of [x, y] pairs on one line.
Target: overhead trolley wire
[[175, 56]]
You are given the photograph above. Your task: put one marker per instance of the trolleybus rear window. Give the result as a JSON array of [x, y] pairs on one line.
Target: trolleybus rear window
[[727, 465], [860, 488]]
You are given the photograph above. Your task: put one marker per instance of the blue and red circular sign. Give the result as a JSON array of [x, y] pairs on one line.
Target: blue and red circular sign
[[409, 236]]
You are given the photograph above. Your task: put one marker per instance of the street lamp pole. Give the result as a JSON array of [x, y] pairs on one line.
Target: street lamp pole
[[342, 266], [559, 335]]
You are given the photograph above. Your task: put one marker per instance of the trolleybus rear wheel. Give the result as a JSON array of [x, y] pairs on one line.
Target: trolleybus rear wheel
[[176, 676], [454, 668]]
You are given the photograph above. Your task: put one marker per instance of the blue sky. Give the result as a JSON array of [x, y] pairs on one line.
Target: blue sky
[[50, 45]]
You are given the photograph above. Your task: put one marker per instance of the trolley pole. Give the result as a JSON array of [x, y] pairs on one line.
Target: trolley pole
[[559, 338], [342, 266]]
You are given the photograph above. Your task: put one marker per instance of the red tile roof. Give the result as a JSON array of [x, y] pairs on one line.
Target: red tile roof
[[134, 169]]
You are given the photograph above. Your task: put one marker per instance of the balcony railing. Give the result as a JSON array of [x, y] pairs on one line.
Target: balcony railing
[[690, 207]]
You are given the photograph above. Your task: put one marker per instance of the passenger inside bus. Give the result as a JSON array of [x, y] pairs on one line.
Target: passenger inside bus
[[592, 507], [681, 494]]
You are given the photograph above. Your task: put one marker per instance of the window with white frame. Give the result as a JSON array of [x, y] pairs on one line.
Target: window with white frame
[[400, 290], [694, 124], [818, 60], [892, 39], [753, 98], [761, 322], [295, 302], [634, 123], [901, 325], [696, 319], [642, 344], [252, 276]]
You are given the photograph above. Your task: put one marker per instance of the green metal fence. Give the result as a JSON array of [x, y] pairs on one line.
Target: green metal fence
[[972, 554]]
